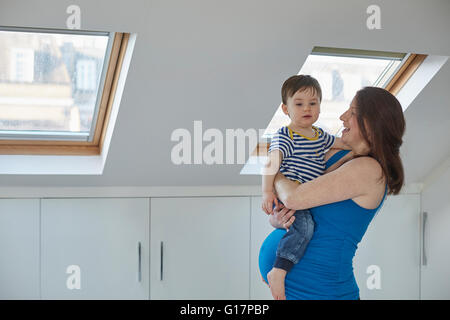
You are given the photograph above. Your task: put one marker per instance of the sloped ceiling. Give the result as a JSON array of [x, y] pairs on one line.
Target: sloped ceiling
[[223, 62]]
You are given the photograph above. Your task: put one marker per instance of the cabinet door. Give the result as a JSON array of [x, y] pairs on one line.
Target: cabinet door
[[19, 249], [101, 244], [200, 248], [260, 229], [387, 260], [435, 269]]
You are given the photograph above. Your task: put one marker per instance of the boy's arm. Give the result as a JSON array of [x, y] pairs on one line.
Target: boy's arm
[[271, 168], [268, 176], [338, 144]]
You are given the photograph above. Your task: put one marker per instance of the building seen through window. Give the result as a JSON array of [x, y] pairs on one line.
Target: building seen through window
[[49, 82]]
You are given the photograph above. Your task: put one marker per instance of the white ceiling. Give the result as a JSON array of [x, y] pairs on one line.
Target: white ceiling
[[223, 62]]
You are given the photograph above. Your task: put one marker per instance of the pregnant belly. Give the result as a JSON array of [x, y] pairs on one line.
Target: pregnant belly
[[324, 272]]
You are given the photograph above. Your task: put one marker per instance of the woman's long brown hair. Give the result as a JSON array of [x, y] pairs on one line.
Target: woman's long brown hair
[[382, 125]]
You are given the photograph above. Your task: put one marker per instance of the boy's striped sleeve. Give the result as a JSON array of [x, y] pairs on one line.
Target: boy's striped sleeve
[[328, 140], [283, 142]]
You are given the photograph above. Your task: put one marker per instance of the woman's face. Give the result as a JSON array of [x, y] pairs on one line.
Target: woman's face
[[351, 135]]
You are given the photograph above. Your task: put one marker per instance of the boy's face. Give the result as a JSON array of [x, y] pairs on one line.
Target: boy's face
[[303, 108]]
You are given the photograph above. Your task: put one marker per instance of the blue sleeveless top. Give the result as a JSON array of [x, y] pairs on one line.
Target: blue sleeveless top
[[326, 269]]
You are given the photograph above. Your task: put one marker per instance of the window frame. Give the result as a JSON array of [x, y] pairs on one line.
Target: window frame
[[94, 142], [407, 69]]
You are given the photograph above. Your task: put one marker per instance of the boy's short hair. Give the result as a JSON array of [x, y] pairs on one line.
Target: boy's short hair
[[300, 82]]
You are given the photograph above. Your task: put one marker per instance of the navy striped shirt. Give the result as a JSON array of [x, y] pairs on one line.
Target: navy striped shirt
[[303, 157]]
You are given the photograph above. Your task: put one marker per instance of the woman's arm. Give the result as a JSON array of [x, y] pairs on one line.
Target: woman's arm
[[353, 179]]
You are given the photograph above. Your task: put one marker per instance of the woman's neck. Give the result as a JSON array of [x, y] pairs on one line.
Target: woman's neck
[[361, 149]]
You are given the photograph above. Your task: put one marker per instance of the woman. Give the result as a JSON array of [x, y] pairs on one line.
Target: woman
[[343, 201]]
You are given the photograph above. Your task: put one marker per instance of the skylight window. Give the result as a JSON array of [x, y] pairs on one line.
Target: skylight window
[[342, 72], [57, 86], [49, 83]]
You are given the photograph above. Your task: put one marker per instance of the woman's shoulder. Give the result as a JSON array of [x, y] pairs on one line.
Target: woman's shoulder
[[367, 164], [353, 165], [360, 170], [364, 168], [369, 175]]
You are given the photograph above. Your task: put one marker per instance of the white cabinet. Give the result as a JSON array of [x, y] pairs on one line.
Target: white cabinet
[[197, 248], [200, 248], [100, 244], [435, 273], [260, 229], [387, 261], [19, 249]]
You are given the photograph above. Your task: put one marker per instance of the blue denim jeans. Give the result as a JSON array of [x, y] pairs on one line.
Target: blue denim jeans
[[292, 246]]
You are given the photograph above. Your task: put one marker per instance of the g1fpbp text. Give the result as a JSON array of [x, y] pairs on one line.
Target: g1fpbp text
[[229, 309]]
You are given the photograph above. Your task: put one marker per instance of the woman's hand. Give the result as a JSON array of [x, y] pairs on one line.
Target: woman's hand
[[282, 218]]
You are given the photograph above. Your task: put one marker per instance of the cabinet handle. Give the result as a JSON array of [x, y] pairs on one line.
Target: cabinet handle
[[162, 259], [139, 262], [424, 222]]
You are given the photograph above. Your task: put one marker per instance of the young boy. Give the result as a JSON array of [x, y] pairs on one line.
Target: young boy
[[298, 152]]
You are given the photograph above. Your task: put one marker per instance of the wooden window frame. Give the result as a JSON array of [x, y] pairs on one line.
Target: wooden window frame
[[394, 86], [405, 72], [80, 148]]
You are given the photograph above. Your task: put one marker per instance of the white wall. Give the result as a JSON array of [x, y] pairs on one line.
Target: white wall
[[223, 62]]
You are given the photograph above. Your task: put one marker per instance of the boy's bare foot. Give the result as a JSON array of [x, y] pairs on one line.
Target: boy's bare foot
[[276, 283]]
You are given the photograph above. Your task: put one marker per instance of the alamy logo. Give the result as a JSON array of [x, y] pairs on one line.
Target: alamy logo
[[74, 20], [74, 280], [374, 280], [214, 147], [374, 20]]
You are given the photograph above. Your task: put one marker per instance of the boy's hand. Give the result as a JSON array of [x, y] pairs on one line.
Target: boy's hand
[[268, 199]]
